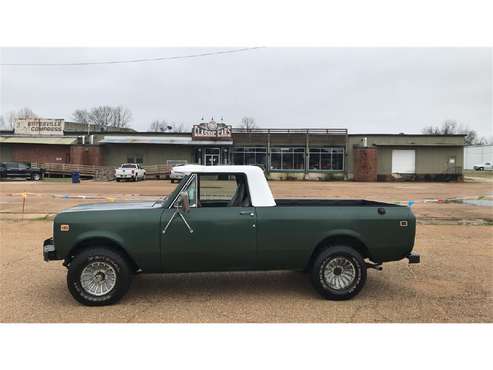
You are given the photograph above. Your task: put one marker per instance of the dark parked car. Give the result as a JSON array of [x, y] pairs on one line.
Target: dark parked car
[[20, 170]]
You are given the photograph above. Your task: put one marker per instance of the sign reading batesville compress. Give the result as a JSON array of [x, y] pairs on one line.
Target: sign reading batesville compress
[[211, 130], [39, 126]]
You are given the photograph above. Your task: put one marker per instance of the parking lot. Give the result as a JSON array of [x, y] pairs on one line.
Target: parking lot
[[454, 282]]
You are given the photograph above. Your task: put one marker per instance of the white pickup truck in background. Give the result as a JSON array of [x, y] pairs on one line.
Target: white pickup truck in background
[[130, 171], [486, 166]]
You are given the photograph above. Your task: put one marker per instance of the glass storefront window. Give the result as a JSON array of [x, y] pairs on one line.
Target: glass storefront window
[[290, 158], [287, 158], [326, 159], [256, 155]]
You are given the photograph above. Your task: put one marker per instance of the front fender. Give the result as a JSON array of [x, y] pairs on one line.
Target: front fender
[[113, 237]]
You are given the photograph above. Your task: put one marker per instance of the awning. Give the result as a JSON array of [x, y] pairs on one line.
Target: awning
[[170, 140], [37, 140]]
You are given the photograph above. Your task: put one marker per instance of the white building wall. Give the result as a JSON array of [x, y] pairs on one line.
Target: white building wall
[[477, 154]]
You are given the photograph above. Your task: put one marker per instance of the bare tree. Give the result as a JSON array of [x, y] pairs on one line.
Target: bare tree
[[177, 127], [452, 127], [158, 126], [121, 116], [483, 140], [22, 113], [248, 123], [101, 115], [25, 112], [471, 137], [104, 115], [81, 116], [2, 123], [164, 126], [154, 126]]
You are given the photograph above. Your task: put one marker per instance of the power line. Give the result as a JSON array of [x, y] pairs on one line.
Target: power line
[[142, 60]]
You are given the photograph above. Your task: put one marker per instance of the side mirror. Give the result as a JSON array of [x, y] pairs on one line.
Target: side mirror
[[184, 203]]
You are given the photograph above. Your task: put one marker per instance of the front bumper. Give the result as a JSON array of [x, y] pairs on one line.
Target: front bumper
[[413, 258], [49, 251]]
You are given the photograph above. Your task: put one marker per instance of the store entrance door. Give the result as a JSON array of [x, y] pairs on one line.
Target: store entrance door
[[212, 156]]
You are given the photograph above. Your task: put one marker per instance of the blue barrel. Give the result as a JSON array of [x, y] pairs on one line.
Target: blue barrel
[[75, 177]]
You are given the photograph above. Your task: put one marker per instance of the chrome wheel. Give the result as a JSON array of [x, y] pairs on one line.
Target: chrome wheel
[[339, 273], [98, 278]]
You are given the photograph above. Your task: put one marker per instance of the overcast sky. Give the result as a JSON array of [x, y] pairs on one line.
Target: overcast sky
[[367, 90]]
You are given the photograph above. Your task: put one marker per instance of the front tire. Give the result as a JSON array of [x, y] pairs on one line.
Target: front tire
[[339, 273], [36, 177], [98, 277]]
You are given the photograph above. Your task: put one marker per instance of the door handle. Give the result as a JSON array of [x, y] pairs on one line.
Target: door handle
[[244, 213]]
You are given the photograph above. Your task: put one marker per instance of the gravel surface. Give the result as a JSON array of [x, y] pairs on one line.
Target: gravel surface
[[47, 197], [452, 284]]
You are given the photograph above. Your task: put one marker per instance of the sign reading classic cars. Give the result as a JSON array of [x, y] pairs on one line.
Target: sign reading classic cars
[[211, 130], [39, 126]]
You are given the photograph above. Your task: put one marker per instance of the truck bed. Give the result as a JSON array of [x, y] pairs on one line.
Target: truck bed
[[332, 203]]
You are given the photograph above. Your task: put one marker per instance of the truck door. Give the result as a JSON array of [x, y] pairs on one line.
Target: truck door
[[13, 169], [218, 231], [23, 170]]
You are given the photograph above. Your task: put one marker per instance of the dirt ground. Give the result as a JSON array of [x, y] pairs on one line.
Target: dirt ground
[[454, 282]]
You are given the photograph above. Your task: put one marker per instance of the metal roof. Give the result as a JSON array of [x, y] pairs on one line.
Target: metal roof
[[418, 144], [176, 140], [37, 140], [311, 131]]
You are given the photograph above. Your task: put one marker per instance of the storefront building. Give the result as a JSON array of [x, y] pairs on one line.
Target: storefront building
[[288, 154]]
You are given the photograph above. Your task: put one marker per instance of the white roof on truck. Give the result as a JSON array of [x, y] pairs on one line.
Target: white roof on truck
[[260, 193]]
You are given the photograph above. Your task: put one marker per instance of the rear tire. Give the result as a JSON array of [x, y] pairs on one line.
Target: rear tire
[[98, 276], [339, 273]]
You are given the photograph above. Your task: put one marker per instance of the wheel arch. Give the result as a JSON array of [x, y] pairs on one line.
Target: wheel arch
[[349, 239], [103, 242]]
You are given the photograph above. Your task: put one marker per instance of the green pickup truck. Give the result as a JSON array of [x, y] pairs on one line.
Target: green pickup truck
[[224, 218]]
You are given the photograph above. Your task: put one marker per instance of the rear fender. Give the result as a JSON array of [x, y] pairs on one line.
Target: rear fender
[[335, 237]]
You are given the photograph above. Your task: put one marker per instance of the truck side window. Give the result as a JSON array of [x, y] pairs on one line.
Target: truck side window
[[223, 190]]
